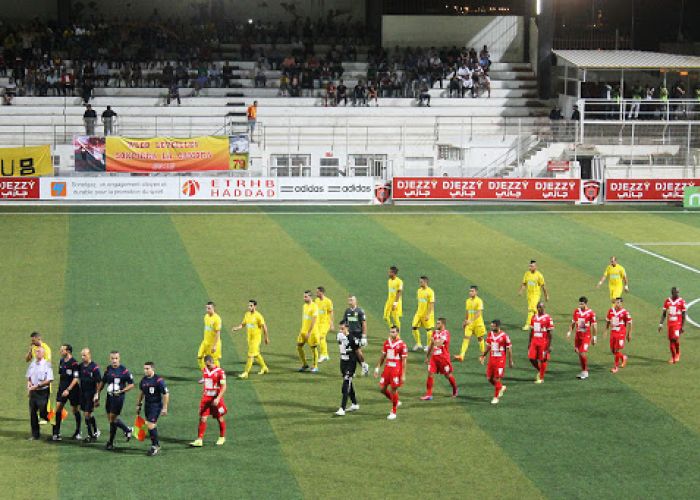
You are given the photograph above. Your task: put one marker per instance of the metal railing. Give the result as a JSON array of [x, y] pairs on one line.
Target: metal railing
[[640, 109]]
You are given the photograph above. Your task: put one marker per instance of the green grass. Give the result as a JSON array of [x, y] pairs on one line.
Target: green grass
[[138, 283]]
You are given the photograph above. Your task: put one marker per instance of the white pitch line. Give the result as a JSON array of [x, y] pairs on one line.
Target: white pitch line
[[687, 313], [379, 213], [666, 259], [669, 244]]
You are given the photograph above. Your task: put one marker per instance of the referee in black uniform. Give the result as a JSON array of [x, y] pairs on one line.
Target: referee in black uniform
[[349, 345]]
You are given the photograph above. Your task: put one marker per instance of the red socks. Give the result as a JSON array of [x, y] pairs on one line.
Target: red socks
[[222, 428], [429, 386], [394, 402], [453, 383], [584, 362], [543, 369], [497, 387], [202, 429]]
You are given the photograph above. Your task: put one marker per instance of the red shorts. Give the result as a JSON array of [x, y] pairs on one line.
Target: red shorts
[[440, 364], [674, 331], [537, 351], [582, 343], [617, 342], [496, 368], [206, 407], [391, 376]]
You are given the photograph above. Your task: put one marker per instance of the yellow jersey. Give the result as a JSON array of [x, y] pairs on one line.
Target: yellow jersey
[[473, 306], [325, 308], [212, 324], [47, 351], [394, 285], [309, 312], [253, 322], [533, 281], [616, 275], [426, 296]]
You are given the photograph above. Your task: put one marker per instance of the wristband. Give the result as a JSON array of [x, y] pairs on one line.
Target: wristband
[[661, 325]]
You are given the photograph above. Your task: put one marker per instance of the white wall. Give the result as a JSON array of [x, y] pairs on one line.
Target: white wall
[[503, 34]]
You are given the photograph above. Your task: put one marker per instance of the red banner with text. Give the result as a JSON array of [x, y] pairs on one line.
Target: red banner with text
[[479, 189], [647, 189]]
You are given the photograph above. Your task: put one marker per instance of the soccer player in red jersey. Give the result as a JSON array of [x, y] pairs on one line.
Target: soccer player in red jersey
[[584, 321], [395, 353], [212, 402], [438, 359], [674, 309], [497, 343], [619, 324], [540, 344]]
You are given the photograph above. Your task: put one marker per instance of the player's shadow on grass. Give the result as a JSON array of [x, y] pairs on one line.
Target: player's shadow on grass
[[647, 361], [176, 378], [13, 419], [18, 435]]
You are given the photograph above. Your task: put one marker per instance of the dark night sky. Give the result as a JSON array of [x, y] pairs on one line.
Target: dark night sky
[[655, 21]]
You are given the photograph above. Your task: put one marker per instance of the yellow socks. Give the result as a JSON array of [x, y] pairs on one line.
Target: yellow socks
[[314, 353], [302, 354], [482, 344], [465, 347], [323, 345], [260, 361], [248, 364], [416, 336]]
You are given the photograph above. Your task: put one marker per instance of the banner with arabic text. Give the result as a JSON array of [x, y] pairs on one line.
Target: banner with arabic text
[[31, 161]]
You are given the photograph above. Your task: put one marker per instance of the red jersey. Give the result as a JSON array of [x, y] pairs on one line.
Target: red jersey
[[499, 342], [619, 319], [442, 351], [674, 311], [540, 325], [395, 351], [583, 320], [213, 380]]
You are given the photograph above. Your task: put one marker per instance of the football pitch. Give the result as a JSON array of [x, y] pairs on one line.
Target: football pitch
[[136, 280]]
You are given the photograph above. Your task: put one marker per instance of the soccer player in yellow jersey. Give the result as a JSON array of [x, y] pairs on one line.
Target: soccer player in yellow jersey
[[617, 279], [211, 343], [255, 327], [308, 333], [473, 322], [35, 343], [393, 309], [533, 281], [325, 321], [425, 314]]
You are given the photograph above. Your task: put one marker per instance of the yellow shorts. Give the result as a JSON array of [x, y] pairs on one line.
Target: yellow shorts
[[419, 321], [388, 313], [205, 348], [478, 329], [254, 340], [313, 338], [615, 292], [532, 301]]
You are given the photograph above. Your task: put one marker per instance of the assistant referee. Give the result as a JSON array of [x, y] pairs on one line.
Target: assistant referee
[[39, 378]]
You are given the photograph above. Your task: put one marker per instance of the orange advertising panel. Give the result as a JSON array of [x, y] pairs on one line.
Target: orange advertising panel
[[167, 154]]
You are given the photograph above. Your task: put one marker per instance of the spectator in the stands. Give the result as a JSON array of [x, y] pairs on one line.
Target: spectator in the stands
[[331, 93], [295, 87], [576, 114], [52, 83], [89, 119], [372, 94], [226, 74], [284, 85], [202, 78], [67, 82], [260, 78], [214, 76], [182, 75], [252, 115], [485, 82], [108, 119], [359, 94], [173, 93], [168, 74], [436, 69], [424, 95], [10, 92], [555, 114], [342, 93], [455, 87], [485, 58], [87, 88]]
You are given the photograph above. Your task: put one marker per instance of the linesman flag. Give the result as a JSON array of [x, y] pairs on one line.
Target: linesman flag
[[140, 428]]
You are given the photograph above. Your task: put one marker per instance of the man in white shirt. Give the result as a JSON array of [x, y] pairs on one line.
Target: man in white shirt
[[39, 378]]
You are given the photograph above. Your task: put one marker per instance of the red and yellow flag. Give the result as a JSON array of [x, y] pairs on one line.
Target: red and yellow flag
[[140, 427]]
